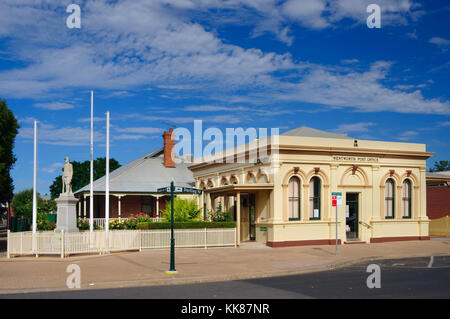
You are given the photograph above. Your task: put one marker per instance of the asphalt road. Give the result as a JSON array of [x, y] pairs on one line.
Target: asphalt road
[[407, 278]]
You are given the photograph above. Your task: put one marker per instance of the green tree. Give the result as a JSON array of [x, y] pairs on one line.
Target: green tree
[[23, 204], [81, 174], [440, 166], [183, 210], [8, 131]]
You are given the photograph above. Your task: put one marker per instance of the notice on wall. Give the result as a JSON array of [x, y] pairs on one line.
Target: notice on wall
[[347, 211], [316, 213]]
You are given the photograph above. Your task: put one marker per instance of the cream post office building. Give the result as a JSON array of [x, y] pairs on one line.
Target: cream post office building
[[285, 198]]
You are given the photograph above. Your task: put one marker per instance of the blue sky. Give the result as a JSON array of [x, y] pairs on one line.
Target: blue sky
[[235, 63]]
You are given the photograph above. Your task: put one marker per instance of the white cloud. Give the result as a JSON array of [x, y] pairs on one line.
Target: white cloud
[[361, 90], [407, 135], [142, 130], [307, 12], [349, 61], [95, 119], [140, 44], [128, 137], [225, 118], [53, 168], [54, 106], [354, 127], [440, 42], [69, 136]]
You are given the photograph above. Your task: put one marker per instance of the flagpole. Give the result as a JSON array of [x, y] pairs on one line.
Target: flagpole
[[107, 184], [91, 183], [34, 188]]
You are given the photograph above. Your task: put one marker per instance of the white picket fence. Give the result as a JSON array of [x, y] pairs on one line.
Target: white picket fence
[[64, 244]]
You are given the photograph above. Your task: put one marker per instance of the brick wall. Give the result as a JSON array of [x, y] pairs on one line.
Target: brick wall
[[438, 202], [130, 205]]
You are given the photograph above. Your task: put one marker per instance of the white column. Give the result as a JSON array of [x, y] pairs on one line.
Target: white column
[[157, 206], [107, 184], [91, 178], [34, 186], [119, 205], [84, 206]]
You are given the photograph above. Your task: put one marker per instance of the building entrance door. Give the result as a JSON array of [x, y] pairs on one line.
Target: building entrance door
[[352, 215], [252, 216]]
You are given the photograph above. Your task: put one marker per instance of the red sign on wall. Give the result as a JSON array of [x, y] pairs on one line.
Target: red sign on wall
[[333, 201]]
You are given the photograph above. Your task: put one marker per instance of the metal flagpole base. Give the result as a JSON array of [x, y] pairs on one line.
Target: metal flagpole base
[[171, 272]]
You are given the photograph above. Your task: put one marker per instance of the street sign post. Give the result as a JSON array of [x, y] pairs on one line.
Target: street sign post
[[181, 190], [336, 200], [172, 189], [172, 269]]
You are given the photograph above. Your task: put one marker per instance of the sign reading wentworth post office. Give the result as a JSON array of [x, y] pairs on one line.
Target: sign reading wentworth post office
[[355, 159], [180, 190]]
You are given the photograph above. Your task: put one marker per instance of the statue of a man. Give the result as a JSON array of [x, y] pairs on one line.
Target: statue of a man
[[67, 177]]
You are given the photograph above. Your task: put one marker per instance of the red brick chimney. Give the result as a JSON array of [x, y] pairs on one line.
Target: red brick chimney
[[169, 144]]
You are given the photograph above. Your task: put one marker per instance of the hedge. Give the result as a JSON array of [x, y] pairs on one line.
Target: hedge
[[186, 225]]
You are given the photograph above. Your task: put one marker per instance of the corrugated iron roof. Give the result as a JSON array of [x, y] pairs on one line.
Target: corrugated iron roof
[[144, 175]]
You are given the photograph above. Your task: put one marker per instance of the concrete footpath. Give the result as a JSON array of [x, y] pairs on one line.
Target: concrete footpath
[[251, 260]]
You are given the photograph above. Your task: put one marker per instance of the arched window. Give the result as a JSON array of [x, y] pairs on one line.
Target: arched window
[[251, 179], [389, 198], [233, 180], [314, 198], [294, 198], [406, 198]]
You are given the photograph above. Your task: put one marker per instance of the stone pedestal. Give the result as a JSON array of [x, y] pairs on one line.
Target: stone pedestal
[[66, 213]]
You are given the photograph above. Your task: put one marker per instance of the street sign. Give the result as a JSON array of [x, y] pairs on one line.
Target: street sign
[[181, 190], [336, 199], [164, 190]]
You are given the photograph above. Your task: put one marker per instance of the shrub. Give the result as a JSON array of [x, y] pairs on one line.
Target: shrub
[[43, 223], [131, 223], [219, 215], [83, 224], [143, 218], [117, 224], [183, 210]]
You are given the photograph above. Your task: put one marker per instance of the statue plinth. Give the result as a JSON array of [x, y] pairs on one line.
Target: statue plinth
[[66, 213]]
